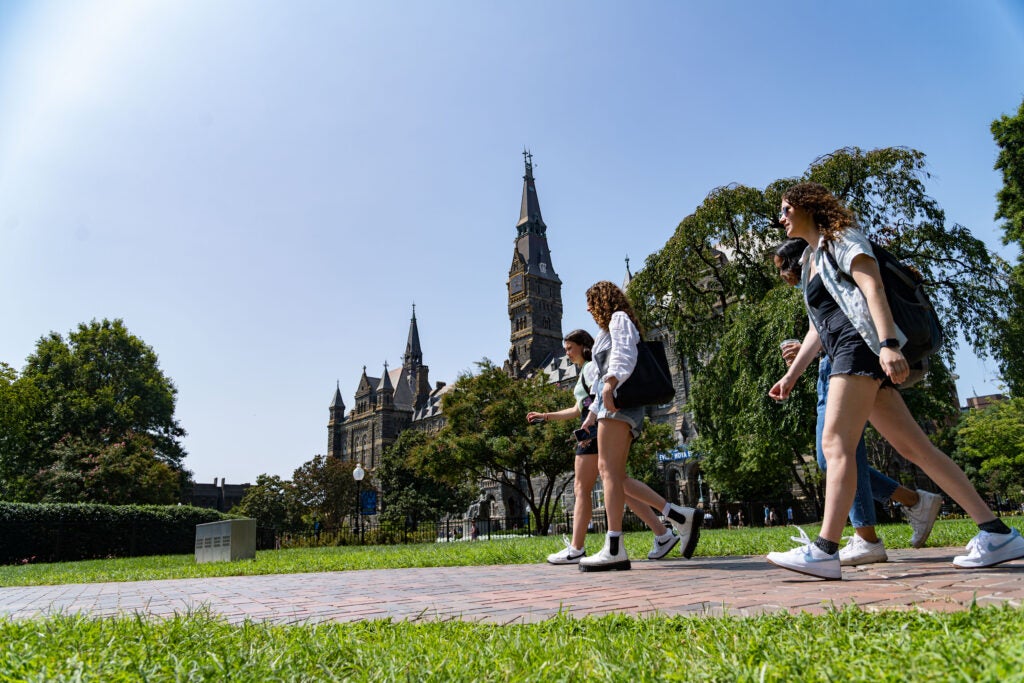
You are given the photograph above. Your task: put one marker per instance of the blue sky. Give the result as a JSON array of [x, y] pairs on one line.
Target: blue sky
[[261, 190]]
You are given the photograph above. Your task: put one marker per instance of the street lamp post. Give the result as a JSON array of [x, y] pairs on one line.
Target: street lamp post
[[358, 473]]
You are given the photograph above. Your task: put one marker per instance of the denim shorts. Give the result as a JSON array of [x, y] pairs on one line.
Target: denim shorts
[[634, 417]]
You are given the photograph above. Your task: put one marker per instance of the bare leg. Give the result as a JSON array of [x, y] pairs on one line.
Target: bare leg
[[613, 440], [895, 423], [850, 400], [582, 511]]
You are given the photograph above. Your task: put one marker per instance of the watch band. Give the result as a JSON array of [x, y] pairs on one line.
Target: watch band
[[890, 343]]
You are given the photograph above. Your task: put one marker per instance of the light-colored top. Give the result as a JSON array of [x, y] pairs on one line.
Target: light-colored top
[[848, 245], [621, 337], [588, 374]]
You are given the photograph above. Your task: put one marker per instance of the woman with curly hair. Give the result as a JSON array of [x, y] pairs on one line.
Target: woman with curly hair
[[616, 428], [853, 323], [641, 498]]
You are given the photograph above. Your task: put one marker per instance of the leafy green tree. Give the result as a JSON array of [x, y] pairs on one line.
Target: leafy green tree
[[642, 464], [272, 502], [79, 398], [486, 438], [20, 404], [990, 444], [325, 489], [1008, 132], [752, 447], [411, 495], [124, 472]]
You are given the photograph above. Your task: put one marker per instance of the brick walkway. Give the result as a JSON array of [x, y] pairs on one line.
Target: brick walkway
[[912, 579]]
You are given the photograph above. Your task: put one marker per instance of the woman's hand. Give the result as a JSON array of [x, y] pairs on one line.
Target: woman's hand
[[590, 421], [608, 394], [781, 390], [535, 418], [894, 364]]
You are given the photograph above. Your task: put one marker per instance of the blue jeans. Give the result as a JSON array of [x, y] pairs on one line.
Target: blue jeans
[[872, 485]]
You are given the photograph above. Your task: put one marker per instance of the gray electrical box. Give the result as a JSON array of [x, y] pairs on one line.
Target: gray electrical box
[[232, 539]]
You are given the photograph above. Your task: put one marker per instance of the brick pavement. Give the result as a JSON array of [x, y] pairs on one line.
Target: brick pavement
[[912, 579]]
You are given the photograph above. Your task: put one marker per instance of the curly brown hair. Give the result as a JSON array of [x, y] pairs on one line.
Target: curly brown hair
[[605, 298], [828, 213]]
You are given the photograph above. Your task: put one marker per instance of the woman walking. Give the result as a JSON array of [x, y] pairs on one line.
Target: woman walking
[[854, 324], [865, 546], [616, 428], [578, 345]]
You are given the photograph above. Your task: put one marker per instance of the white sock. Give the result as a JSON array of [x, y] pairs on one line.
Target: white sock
[[664, 510], [614, 534], [665, 536]]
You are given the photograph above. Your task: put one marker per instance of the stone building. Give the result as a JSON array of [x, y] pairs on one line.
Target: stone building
[[401, 398]]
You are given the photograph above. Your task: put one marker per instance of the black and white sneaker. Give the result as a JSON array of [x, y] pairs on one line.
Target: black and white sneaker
[[663, 547], [568, 555], [687, 523]]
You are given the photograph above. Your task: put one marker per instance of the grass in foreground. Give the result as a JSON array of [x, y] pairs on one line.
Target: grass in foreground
[[849, 645], [714, 542]]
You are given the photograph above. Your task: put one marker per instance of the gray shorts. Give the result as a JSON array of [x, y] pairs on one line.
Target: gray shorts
[[634, 417]]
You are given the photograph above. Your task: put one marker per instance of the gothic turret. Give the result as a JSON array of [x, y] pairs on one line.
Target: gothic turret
[[335, 440]]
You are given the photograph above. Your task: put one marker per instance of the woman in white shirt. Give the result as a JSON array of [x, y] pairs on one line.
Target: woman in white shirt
[[578, 346], [616, 428], [853, 323]]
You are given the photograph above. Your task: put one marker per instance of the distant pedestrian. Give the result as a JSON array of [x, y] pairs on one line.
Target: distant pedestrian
[[767, 516], [739, 519], [474, 533], [789, 515]]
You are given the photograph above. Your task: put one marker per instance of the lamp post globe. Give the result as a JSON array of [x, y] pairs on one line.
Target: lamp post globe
[[358, 473]]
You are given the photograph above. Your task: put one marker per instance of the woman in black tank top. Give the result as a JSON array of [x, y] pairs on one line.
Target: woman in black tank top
[[858, 391]]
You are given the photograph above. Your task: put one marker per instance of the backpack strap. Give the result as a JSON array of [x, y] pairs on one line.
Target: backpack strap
[[835, 264]]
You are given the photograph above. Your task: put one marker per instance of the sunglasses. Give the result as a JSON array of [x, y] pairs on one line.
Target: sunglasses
[[786, 210]]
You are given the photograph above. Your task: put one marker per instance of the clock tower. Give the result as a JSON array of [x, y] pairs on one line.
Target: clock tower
[[534, 289]]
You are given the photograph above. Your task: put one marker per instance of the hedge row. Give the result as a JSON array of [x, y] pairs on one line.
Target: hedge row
[[64, 532]]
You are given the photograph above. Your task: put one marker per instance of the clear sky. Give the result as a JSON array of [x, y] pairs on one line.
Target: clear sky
[[261, 190]]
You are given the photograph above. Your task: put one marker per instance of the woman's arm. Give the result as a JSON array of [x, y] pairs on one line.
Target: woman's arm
[[809, 348], [566, 414], [864, 270]]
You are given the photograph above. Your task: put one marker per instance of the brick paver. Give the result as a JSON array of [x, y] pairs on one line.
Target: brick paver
[[912, 579]]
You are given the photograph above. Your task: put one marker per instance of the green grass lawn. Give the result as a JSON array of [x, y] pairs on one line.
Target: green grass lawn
[[520, 550], [982, 644]]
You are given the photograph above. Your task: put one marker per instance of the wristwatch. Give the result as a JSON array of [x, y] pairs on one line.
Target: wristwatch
[[890, 343]]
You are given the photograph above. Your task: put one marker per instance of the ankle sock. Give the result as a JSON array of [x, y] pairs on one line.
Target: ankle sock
[[664, 510], [826, 546], [665, 536], [996, 526]]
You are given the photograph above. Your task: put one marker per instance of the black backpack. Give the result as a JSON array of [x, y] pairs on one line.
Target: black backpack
[[911, 308]]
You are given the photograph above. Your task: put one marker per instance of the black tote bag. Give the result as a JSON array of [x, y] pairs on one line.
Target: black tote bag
[[651, 381]]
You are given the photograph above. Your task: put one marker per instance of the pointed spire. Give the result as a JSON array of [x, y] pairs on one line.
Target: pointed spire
[[629, 275], [530, 219], [385, 381], [337, 402], [413, 354]]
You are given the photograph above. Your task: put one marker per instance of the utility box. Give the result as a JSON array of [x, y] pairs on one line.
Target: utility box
[[232, 539]]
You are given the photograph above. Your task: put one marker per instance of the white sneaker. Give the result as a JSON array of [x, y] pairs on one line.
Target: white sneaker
[[922, 516], [988, 549], [808, 559], [687, 523], [569, 555], [662, 548], [606, 560], [860, 551]]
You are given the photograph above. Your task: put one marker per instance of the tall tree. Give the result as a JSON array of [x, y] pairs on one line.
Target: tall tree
[[325, 489], [411, 494], [82, 396], [486, 438], [272, 502], [1008, 132]]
